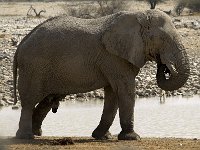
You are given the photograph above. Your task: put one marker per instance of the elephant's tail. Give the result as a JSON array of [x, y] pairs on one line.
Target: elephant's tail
[[15, 77]]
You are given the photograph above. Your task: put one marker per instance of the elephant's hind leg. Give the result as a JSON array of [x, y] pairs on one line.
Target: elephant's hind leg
[[25, 123], [109, 112], [39, 114]]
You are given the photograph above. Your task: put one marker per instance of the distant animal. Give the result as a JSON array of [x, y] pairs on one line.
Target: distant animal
[[67, 55]]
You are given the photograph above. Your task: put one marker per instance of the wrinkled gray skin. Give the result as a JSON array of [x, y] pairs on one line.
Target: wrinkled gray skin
[[66, 55]]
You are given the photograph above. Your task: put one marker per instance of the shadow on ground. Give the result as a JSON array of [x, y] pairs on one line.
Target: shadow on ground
[[51, 141]]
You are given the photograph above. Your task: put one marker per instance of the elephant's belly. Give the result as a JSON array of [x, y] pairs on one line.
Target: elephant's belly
[[77, 78]]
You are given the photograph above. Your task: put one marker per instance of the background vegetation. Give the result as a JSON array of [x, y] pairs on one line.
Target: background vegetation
[[106, 7], [193, 5]]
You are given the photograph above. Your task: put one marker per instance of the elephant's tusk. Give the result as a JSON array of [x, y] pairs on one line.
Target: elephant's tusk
[[172, 69]]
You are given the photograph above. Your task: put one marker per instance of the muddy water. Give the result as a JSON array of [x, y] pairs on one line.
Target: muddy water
[[177, 117]]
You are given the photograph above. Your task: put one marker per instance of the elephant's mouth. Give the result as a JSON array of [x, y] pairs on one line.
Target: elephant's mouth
[[169, 76], [167, 70], [163, 69]]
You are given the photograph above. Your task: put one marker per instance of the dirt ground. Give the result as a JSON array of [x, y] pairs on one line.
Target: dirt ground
[[191, 38], [86, 143]]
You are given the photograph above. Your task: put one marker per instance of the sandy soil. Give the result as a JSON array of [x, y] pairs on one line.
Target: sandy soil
[[190, 37], [86, 143]]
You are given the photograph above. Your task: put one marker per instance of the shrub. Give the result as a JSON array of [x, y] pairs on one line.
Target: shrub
[[153, 2], [110, 7], [193, 5], [100, 8]]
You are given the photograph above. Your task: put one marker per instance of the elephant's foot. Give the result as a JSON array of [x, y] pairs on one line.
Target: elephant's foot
[[37, 132], [128, 136], [98, 135], [24, 135]]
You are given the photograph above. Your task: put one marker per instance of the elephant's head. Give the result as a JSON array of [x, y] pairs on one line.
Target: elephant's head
[[150, 36]]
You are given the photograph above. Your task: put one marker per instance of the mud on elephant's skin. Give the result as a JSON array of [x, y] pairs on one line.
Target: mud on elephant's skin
[[67, 55]]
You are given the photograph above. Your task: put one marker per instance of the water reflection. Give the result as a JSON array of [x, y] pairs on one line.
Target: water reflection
[[177, 117]]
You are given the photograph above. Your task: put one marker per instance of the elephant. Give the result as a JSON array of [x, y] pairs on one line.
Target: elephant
[[67, 55]]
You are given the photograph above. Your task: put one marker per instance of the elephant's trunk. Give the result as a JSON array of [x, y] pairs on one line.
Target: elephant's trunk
[[177, 67]]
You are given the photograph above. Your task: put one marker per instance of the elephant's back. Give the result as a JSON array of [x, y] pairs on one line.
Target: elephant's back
[[70, 23], [66, 23], [63, 31], [64, 36]]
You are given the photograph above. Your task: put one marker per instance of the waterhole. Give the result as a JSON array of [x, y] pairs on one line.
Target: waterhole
[[177, 117]]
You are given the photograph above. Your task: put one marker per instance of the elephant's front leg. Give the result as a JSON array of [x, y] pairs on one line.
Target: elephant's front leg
[[109, 112], [126, 94]]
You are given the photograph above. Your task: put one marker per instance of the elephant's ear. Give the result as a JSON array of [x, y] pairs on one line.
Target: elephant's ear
[[123, 38]]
